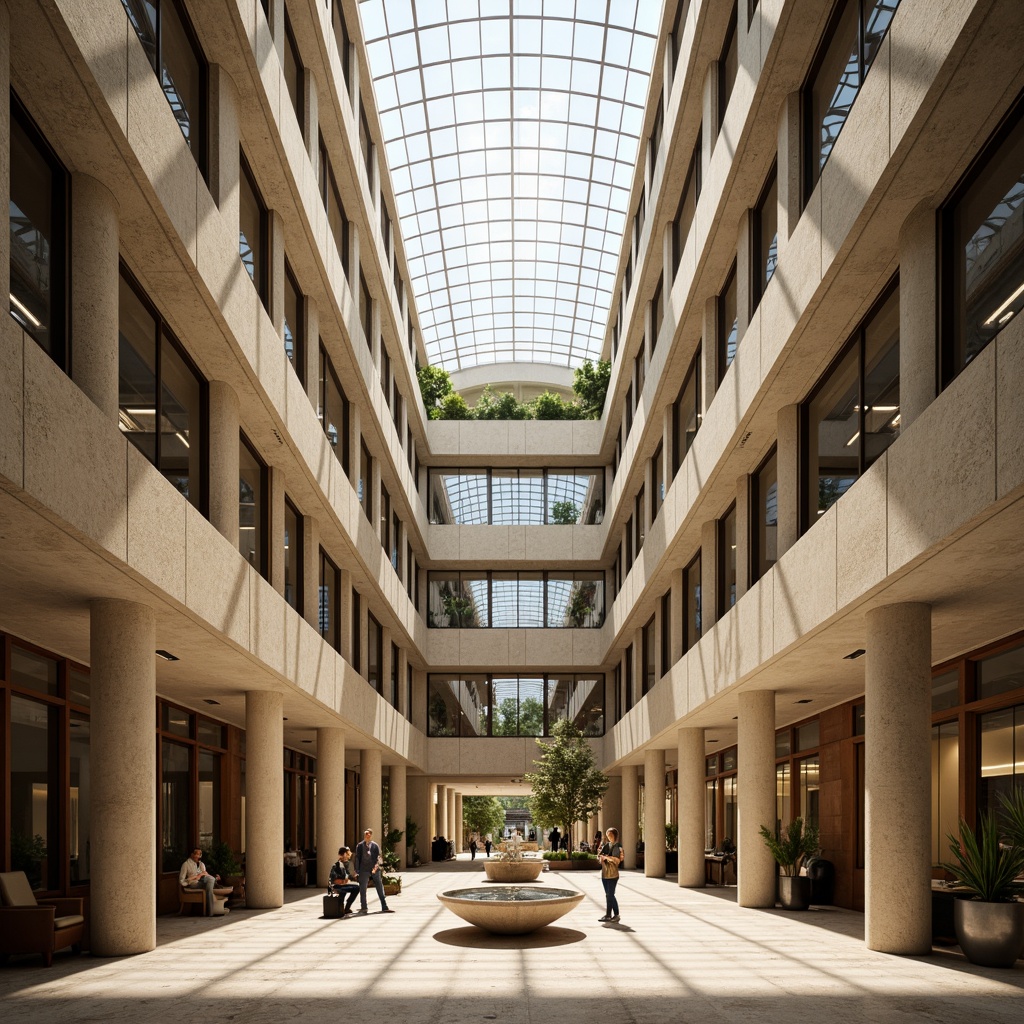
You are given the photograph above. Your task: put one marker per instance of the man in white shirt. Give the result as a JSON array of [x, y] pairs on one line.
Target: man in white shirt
[[193, 875]]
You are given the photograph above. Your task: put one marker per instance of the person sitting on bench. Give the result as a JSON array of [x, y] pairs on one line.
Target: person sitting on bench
[[343, 879], [193, 875]]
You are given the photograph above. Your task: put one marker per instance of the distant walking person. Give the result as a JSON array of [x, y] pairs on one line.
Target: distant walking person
[[472, 847], [368, 869], [610, 858], [488, 844], [554, 839]]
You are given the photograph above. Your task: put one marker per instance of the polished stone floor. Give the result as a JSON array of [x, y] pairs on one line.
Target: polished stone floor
[[676, 956]]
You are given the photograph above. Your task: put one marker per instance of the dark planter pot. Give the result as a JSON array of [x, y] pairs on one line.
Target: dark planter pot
[[990, 934], [794, 892], [671, 862]]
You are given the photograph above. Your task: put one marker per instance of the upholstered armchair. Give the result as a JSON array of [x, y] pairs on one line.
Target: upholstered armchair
[[28, 925]]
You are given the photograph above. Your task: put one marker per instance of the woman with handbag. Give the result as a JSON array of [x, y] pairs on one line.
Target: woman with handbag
[[610, 858]]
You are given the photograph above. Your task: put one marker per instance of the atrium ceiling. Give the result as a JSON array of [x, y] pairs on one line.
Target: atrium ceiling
[[511, 130]]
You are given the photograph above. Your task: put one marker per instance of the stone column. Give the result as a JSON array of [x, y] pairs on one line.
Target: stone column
[[453, 824], [370, 792], [458, 823], [224, 444], [629, 832], [654, 813], [441, 811], [434, 817], [399, 807], [918, 310], [330, 799], [897, 779], [755, 797], [264, 799], [123, 755], [690, 804], [611, 805], [418, 808], [94, 292]]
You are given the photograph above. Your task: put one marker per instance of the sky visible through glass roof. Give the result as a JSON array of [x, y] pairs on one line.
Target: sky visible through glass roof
[[511, 130]]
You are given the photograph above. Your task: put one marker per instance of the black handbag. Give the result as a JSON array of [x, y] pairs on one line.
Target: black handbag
[[332, 906]]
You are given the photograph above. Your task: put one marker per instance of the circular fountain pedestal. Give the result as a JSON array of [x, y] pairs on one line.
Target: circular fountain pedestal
[[512, 871], [510, 909]]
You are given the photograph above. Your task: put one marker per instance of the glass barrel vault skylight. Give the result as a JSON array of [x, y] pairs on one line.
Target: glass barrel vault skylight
[[511, 130]]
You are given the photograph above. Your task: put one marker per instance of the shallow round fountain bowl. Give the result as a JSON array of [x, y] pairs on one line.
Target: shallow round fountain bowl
[[510, 909], [512, 871]]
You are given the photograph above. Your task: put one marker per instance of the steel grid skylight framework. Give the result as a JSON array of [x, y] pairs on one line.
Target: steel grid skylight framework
[[511, 130]]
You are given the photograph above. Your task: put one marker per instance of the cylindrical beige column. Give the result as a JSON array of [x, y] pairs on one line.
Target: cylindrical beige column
[[654, 813], [452, 819], [755, 798], [433, 824], [629, 830], [611, 805], [418, 793], [458, 823], [398, 804], [264, 799], [94, 292], [122, 639], [441, 811], [330, 799], [690, 804], [370, 790], [224, 446], [897, 779]]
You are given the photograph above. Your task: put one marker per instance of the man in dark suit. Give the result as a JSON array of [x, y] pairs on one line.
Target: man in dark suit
[[368, 867]]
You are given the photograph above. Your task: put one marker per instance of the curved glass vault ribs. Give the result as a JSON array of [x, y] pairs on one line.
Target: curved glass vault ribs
[[511, 129]]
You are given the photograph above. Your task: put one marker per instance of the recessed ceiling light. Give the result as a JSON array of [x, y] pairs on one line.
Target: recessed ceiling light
[[803, 700], [167, 656], [207, 700], [307, 741], [853, 655], [712, 741], [735, 717]]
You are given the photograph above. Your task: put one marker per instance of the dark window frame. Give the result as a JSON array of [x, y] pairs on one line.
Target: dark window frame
[[263, 284], [758, 285], [263, 551]]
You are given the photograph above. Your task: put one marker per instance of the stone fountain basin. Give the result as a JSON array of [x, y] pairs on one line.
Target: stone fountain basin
[[510, 909], [511, 871]]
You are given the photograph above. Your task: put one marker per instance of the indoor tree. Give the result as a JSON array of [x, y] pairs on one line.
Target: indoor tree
[[567, 784]]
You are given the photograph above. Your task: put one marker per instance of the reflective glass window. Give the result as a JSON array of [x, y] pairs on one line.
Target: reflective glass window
[[79, 803], [1002, 755], [294, 323], [35, 791], [443, 706], [329, 612], [292, 556], [374, 654], [727, 561], [983, 261], [252, 231], [945, 757], [686, 413], [692, 603], [765, 248], [687, 202], [175, 805], [1000, 673], [728, 66], [32, 671], [765, 518], [728, 324], [38, 218], [252, 512], [334, 411], [293, 74]]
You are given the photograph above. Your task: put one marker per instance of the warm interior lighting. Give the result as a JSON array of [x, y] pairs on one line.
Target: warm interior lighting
[[24, 310], [181, 438], [852, 439], [997, 316]]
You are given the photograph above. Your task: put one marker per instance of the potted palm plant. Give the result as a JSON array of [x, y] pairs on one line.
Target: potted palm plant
[[989, 920], [790, 849]]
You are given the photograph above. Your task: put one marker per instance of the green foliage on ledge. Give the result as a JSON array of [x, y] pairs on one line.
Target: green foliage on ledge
[[443, 402]]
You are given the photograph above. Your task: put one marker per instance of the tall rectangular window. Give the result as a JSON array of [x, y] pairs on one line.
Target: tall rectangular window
[[253, 244], [849, 45], [161, 397], [334, 411], [687, 202], [765, 247], [366, 144], [686, 414], [329, 617], [764, 521], [728, 66], [292, 556], [853, 414], [337, 220], [294, 323], [357, 632], [727, 561], [365, 311], [728, 324], [342, 40], [640, 519], [174, 54], [657, 314], [691, 603], [657, 481], [293, 74], [393, 696], [365, 489], [252, 507], [385, 520], [38, 224], [982, 259], [628, 680], [666, 631], [374, 654], [648, 656]]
